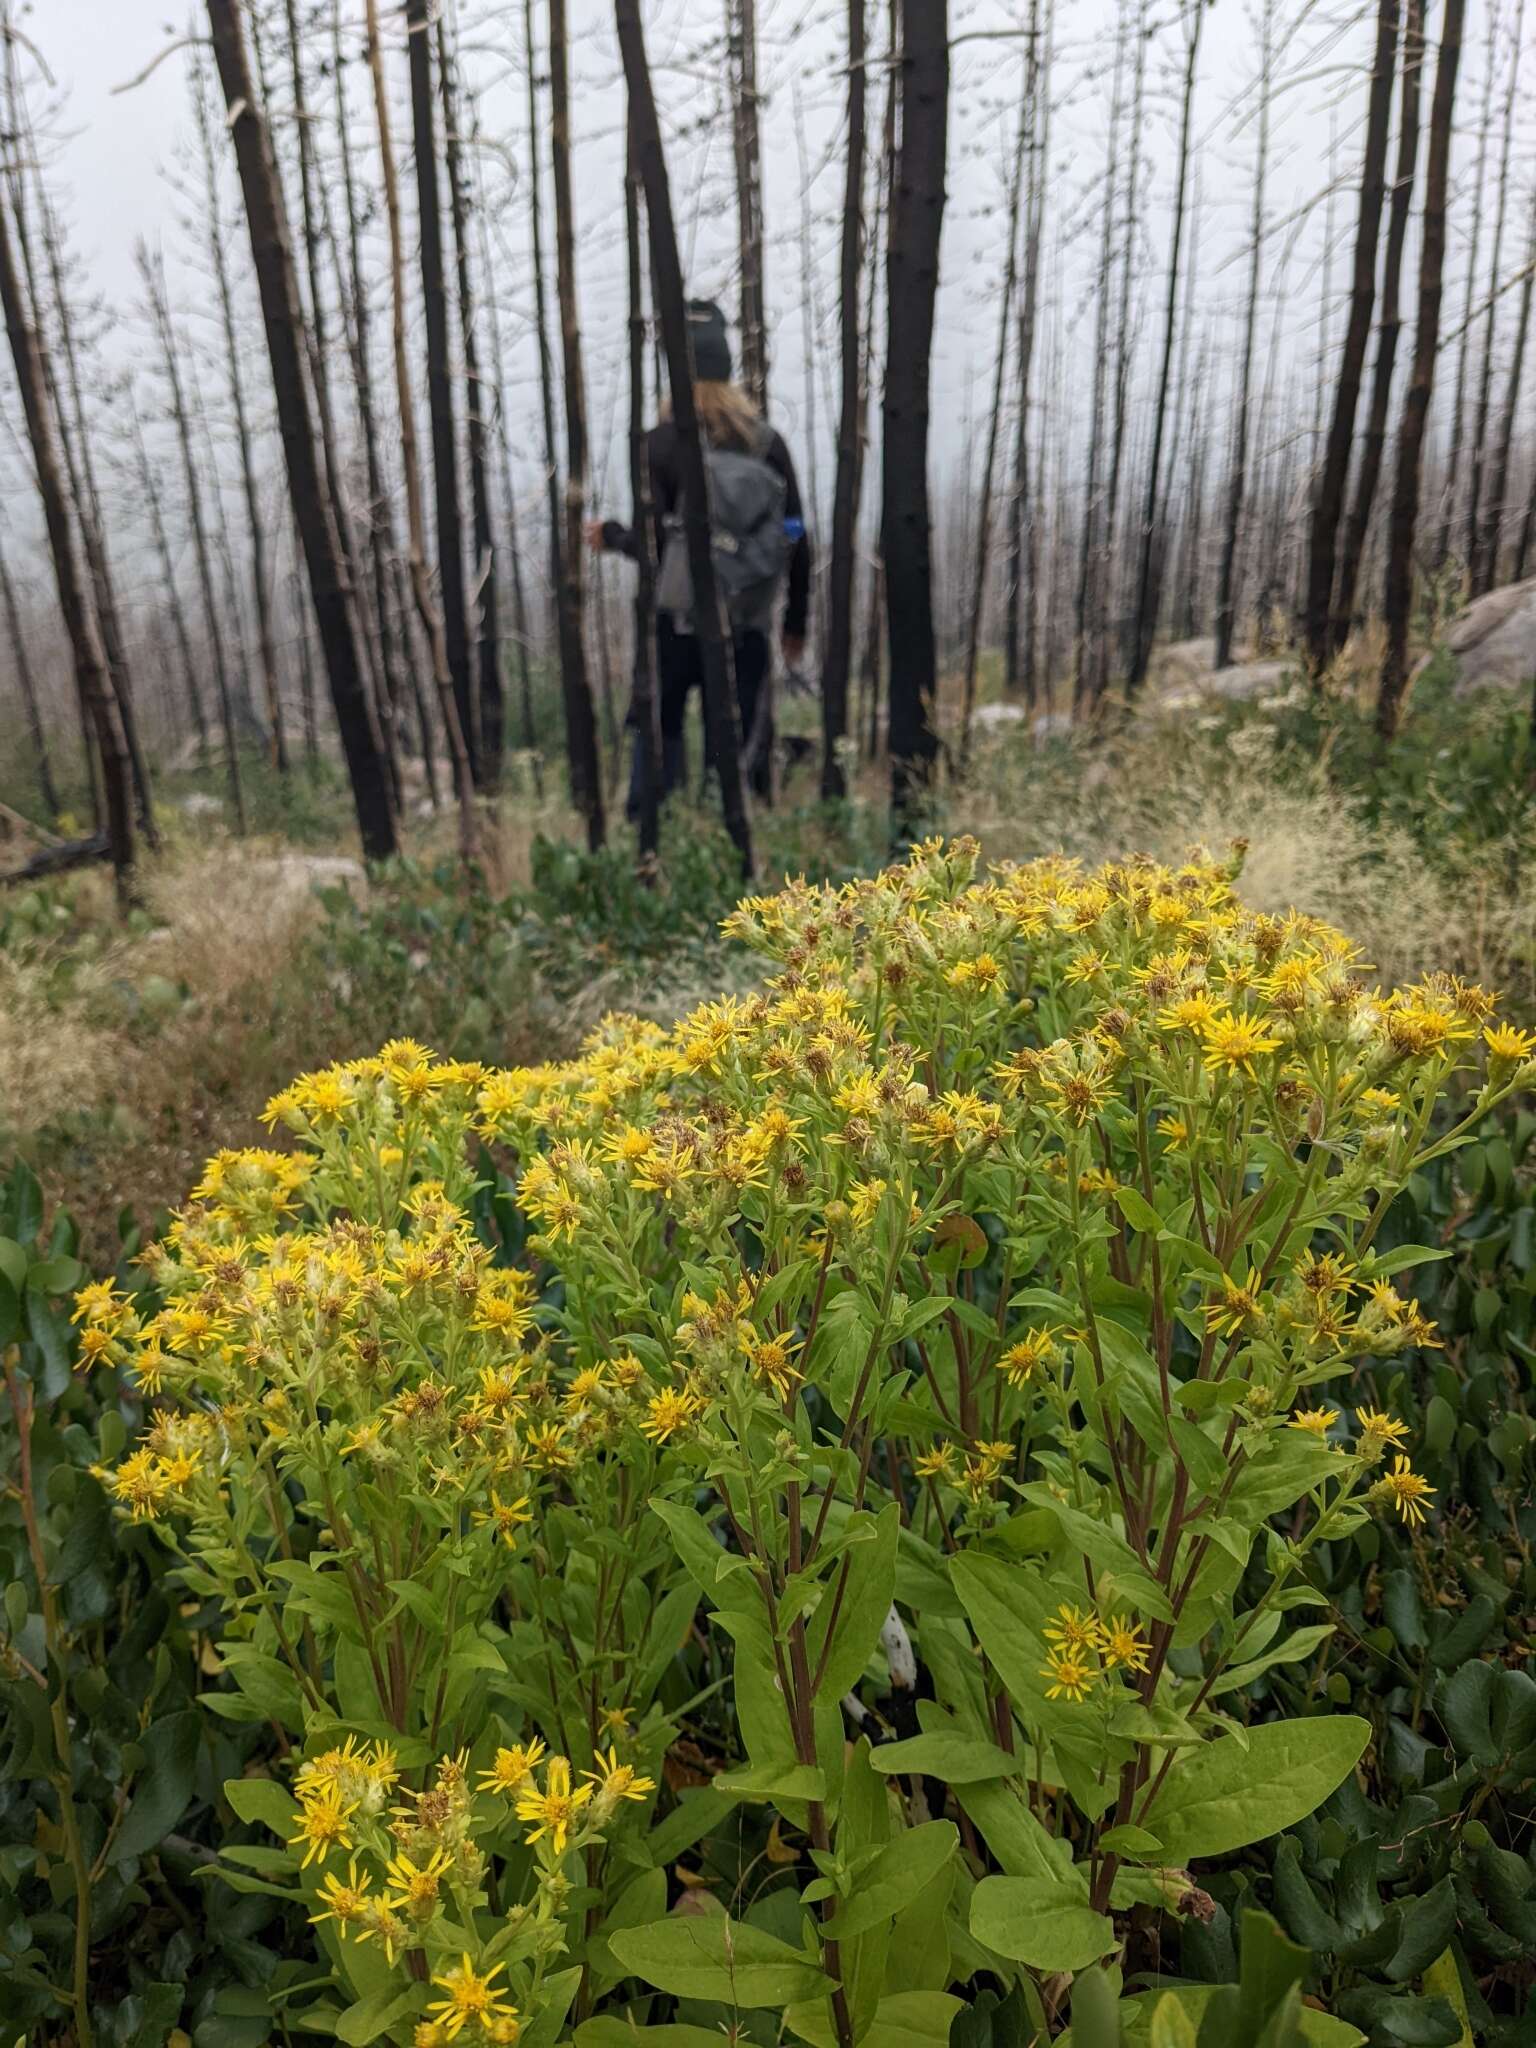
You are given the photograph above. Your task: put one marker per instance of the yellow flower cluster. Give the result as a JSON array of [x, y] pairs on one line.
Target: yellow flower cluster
[[1082, 1651]]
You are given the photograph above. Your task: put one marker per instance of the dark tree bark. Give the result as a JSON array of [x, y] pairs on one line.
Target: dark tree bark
[[1410, 439], [213, 611], [1328, 507], [741, 16], [580, 724], [336, 613], [906, 528], [493, 735], [427, 610], [445, 458], [1081, 688], [1497, 506], [1148, 580], [171, 598], [982, 540], [1450, 496], [255, 524], [709, 624], [1390, 327], [1479, 575], [837, 651], [541, 320], [42, 766], [92, 674], [645, 708], [1019, 637], [1229, 586], [1114, 627]]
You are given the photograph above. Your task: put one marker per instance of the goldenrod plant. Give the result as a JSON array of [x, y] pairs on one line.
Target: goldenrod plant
[[970, 1311]]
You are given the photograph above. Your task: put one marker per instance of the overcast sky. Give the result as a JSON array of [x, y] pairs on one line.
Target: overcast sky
[[116, 149]]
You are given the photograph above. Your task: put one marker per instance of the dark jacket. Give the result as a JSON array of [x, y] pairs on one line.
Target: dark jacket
[[666, 493]]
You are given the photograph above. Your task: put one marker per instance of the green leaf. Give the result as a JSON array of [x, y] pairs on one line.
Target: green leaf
[[1138, 1211], [365, 2021], [88, 1534], [1039, 1923], [903, 2019], [1095, 2012], [718, 1958], [264, 1800], [774, 1781], [894, 1878], [10, 1310], [614, 2030], [1132, 1844], [957, 1759], [1301, 1643], [870, 1580], [1225, 1794], [164, 1788]]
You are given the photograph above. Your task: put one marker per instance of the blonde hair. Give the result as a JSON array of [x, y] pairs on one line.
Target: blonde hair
[[727, 415]]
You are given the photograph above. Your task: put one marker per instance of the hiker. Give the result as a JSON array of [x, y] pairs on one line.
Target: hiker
[[760, 538]]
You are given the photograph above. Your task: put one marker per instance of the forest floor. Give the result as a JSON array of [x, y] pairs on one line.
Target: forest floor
[[129, 1052]]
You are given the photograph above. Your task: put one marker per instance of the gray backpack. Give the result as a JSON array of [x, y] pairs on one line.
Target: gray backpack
[[747, 540]]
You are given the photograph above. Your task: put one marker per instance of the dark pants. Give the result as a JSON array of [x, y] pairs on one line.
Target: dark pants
[[679, 671]]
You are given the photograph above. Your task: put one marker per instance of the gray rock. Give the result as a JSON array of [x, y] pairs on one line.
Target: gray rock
[[1494, 639]]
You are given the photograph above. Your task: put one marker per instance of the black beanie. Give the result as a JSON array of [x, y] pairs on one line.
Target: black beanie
[[709, 342]]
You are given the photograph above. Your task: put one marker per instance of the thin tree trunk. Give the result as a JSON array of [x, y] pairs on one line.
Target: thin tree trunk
[[492, 746], [1480, 575], [1497, 506], [983, 537], [1229, 586], [336, 612], [150, 488], [213, 611], [541, 324], [93, 676], [1371, 454], [1126, 323], [1451, 494], [837, 651], [906, 527], [432, 619], [646, 707], [1410, 441], [1019, 657], [1086, 553], [1328, 509], [720, 717], [1148, 580], [42, 766], [741, 16], [580, 723]]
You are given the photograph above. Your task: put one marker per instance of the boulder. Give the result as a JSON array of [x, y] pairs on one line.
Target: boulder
[[1494, 639]]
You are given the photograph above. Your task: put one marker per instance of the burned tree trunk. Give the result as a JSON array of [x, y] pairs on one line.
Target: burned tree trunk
[[445, 459], [42, 766], [1493, 516], [1410, 439], [1388, 330], [1018, 633], [912, 280], [492, 745], [336, 614], [645, 706], [837, 656], [1328, 506], [432, 619], [1149, 578], [580, 724], [1451, 493], [213, 611], [1479, 580], [92, 674], [720, 718], [747, 148]]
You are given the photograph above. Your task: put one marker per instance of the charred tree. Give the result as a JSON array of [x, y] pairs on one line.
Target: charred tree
[[837, 652], [1480, 580], [906, 526], [1451, 493], [1388, 330], [1019, 636], [42, 766], [336, 612], [644, 702], [1410, 440], [1328, 506], [746, 142], [580, 723], [1493, 516], [149, 487], [720, 719]]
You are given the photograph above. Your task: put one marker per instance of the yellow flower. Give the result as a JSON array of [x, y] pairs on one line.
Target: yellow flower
[[864, 1198], [1379, 1432], [613, 1781], [414, 1887], [323, 1821], [1123, 1643], [1314, 1421], [470, 1997], [344, 1903], [1074, 1629], [1235, 1311], [773, 1359], [1021, 1361], [505, 1517], [512, 1768], [1233, 1043], [1404, 1488], [1070, 1673], [140, 1484], [555, 1808], [1504, 1042]]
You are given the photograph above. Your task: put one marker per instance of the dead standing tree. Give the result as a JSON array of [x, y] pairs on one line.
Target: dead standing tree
[[336, 612], [432, 620], [1421, 385], [1328, 504], [741, 39], [580, 723], [646, 704], [93, 677], [906, 527], [720, 721], [837, 654], [1480, 574], [1020, 624]]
